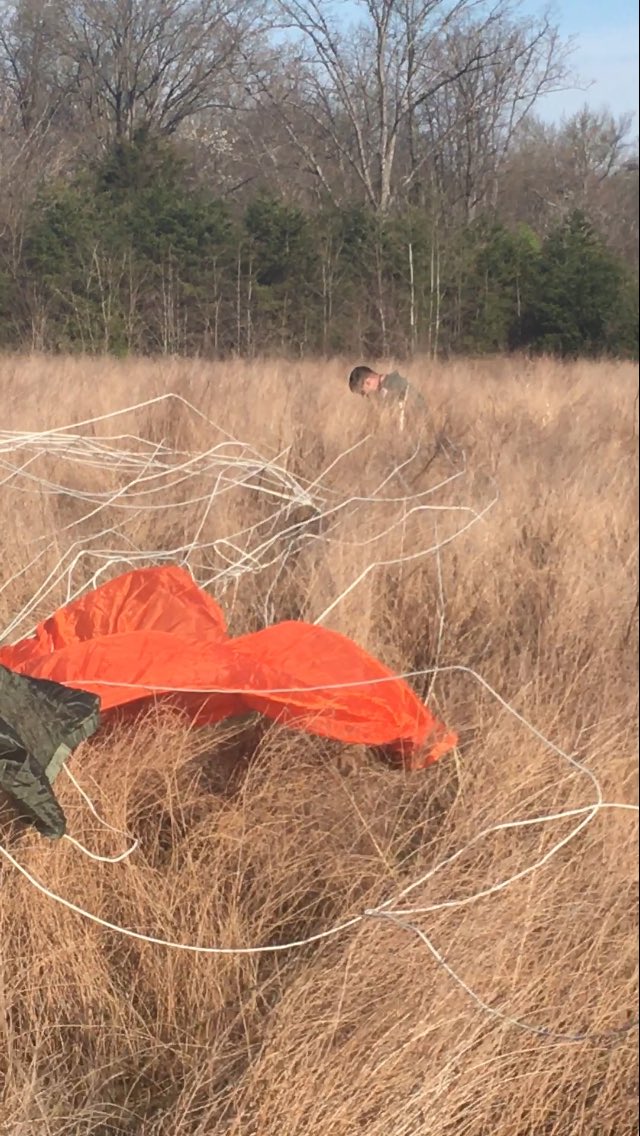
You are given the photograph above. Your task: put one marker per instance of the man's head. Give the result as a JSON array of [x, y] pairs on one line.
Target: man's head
[[363, 380]]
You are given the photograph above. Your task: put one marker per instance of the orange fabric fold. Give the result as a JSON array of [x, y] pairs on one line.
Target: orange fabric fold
[[155, 634]]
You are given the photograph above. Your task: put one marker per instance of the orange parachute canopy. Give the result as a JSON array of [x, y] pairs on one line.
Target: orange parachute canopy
[[154, 634]]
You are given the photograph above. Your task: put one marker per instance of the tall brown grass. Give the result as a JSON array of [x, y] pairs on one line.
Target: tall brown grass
[[256, 838]]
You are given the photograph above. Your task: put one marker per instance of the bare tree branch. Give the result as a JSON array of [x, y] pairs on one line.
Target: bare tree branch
[[361, 91], [154, 63]]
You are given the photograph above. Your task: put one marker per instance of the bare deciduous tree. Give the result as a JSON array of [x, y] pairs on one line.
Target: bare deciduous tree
[[154, 63], [34, 140], [360, 96], [584, 162], [470, 125], [29, 69]]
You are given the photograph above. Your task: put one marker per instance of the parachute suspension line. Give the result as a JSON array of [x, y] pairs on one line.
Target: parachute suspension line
[[193, 948], [383, 913], [389, 909], [541, 1031], [105, 824], [441, 613], [95, 856], [231, 464]]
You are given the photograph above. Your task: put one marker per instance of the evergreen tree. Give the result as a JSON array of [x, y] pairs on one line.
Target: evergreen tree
[[579, 293], [132, 255], [281, 262]]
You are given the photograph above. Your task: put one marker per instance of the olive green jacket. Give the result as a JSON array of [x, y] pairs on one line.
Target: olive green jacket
[[41, 722], [398, 391]]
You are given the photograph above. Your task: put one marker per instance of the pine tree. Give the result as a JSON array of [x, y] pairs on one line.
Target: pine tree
[[580, 289]]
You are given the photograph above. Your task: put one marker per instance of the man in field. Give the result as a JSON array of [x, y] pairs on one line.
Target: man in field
[[390, 390]]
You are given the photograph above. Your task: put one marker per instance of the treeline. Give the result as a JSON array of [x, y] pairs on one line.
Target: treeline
[[174, 179], [132, 258]]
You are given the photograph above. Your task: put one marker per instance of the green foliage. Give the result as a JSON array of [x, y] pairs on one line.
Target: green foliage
[[72, 283], [581, 303], [505, 263], [130, 256], [280, 241], [279, 256], [145, 163]]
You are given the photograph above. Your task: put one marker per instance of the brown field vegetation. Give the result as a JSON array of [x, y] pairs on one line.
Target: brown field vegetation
[[252, 838]]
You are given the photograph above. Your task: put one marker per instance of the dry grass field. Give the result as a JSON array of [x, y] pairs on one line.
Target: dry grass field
[[251, 836]]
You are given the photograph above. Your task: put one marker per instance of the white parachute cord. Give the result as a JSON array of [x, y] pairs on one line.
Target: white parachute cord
[[105, 824], [381, 909], [492, 1011], [368, 913], [193, 948]]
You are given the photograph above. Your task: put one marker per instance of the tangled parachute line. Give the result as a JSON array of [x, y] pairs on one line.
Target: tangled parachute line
[[151, 482]]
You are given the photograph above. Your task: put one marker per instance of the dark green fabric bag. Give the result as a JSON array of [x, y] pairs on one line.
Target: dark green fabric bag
[[41, 722]]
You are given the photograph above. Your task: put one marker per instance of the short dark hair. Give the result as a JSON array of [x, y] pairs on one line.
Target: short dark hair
[[357, 377]]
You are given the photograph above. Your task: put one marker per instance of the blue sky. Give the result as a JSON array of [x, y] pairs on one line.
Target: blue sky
[[606, 55]]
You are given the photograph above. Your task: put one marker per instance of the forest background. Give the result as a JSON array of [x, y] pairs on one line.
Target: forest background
[[224, 177]]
